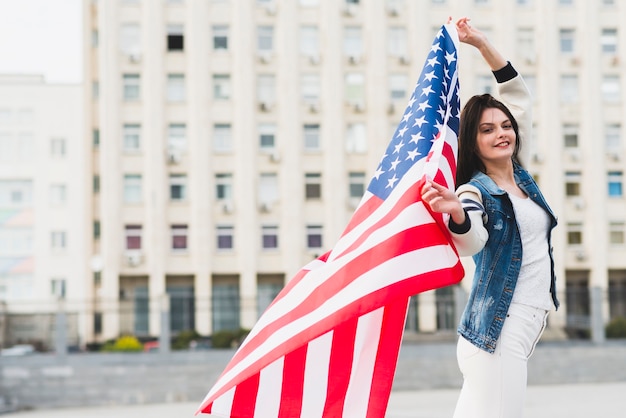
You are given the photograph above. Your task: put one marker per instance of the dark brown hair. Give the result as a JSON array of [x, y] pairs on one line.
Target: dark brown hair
[[469, 162]]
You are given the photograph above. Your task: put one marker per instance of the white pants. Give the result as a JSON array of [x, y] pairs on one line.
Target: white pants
[[494, 385]]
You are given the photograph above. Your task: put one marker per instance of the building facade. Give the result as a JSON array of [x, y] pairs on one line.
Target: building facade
[[232, 140], [42, 207]]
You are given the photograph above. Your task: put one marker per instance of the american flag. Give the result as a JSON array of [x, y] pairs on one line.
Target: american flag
[[328, 344]]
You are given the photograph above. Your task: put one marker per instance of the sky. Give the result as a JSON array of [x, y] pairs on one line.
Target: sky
[[42, 37]]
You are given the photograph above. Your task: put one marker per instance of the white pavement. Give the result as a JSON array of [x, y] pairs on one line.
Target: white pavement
[[606, 400]]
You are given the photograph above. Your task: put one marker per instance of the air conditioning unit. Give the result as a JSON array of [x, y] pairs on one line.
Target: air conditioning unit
[[575, 60], [314, 59], [265, 106], [581, 255], [358, 106], [404, 59], [314, 107], [228, 207], [574, 154], [537, 158], [265, 207], [615, 61], [391, 108], [354, 59], [614, 155], [174, 156], [265, 57], [275, 156], [350, 9], [579, 203], [270, 8], [135, 58], [393, 10], [132, 258]]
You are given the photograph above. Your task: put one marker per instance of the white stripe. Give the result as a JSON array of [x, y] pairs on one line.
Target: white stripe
[[316, 376], [269, 394], [365, 351], [387, 273], [223, 405], [409, 217]]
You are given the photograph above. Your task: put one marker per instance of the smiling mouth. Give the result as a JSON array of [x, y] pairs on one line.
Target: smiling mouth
[[502, 144]]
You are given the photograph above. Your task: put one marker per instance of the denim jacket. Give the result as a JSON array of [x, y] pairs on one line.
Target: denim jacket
[[498, 263]]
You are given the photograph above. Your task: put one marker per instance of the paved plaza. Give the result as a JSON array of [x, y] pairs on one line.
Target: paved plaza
[[606, 400]]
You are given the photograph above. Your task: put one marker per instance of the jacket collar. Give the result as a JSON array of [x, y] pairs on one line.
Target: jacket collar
[[492, 188]]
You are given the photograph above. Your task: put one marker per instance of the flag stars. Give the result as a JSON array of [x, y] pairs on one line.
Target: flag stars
[[433, 61], [391, 182], [401, 132], [424, 105], [378, 173], [429, 76], [416, 137], [450, 58], [419, 121], [394, 164], [412, 154], [398, 147], [435, 47], [427, 90]]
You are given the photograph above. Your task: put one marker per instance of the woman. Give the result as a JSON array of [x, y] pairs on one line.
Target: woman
[[499, 216]]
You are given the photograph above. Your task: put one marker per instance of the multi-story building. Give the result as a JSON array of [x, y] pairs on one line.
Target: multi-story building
[[42, 208], [233, 139]]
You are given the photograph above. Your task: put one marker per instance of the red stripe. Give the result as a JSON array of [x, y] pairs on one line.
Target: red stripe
[[410, 286], [363, 212], [293, 383], [244, 400], [389, 343], [339, 368], [416, 238]]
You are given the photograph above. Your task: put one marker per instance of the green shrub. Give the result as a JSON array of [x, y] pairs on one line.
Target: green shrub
[[126, 343], [229, 338], [616, 328], [182, 340]]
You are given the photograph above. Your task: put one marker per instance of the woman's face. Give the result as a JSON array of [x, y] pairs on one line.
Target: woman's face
[[496, 137]]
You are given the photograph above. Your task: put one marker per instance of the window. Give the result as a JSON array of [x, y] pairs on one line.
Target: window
[[608, 40], [220, 37], [58, 240], [178, 186], [398, 84], [265, 38], [267, 136], [312, 185], [222, 137], [266, 89], [356, 186], [221, 86], [57, 194], [5, 116], [57, 147], [225, 237], [96, 230], [95, 90], [269, 237], [177, 136], [616, 233], [311, 137], [132, 235], [484, 84], [268, 189], [57, 288], [615, 180], [355, 88], [397, 45], [352, 42], [566, 2], [569, 88], [566, 40], [611, 88], [574, 233], [95, 138], [356, 138], [310, 88], [16, 194], [179, 238], [223, 186], [131, 133], [175, 37], [572, 183], [225, 303], [132, 188], [309, 41], [131, 87], [96, 184], [570, 136], [314, 236], [268, 287], [176, 87], [526, 44], [130, 38], [612, 137], [25, 146]]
